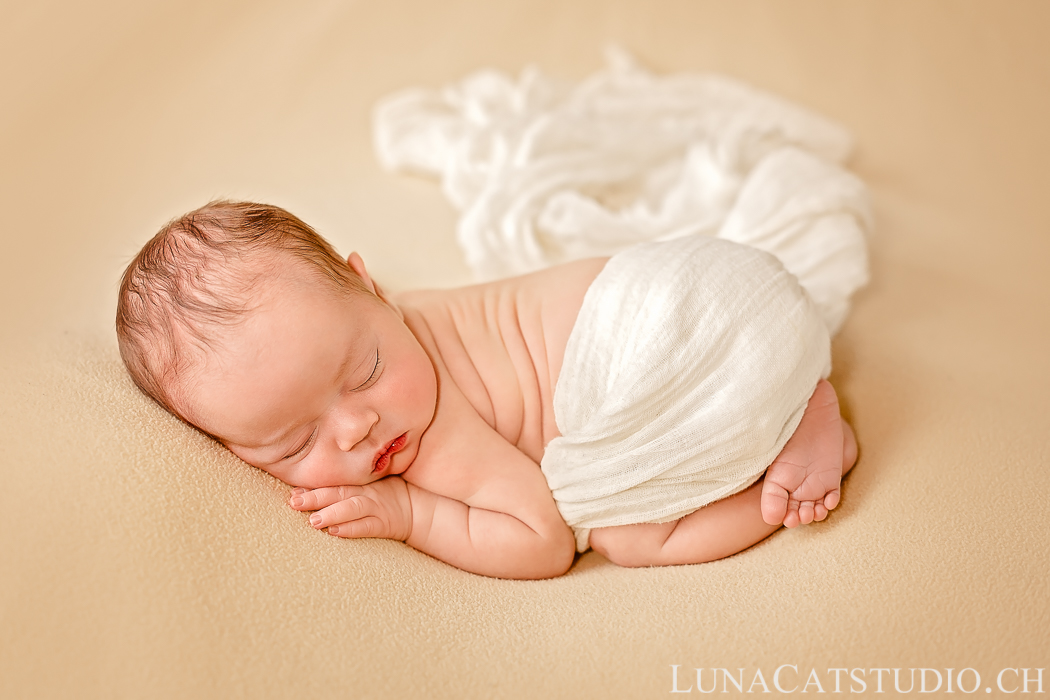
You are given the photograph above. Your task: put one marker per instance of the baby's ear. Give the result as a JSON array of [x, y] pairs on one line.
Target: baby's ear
[[358, 265]]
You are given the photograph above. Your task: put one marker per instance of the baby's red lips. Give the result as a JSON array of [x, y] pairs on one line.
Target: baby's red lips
[[383, 458]]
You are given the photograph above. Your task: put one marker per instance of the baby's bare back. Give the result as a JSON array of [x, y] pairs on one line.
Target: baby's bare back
[[500, 346]]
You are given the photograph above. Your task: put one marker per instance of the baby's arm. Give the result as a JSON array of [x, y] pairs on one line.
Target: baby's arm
[[509, 528], [497, 516]]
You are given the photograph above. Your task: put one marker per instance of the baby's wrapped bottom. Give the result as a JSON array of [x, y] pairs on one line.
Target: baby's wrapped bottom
[[689, 367]]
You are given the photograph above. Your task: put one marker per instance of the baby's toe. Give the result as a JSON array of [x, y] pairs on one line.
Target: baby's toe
[[819, 511], [805, 512], [774, 503]]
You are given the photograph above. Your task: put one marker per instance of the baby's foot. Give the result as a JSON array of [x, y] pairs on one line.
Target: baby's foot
[[802, 485]]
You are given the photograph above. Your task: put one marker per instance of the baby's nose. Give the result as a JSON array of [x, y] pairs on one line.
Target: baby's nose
[[355, 428]]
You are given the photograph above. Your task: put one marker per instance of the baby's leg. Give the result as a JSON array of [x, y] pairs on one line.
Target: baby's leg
[[715, 531], [802, 485]]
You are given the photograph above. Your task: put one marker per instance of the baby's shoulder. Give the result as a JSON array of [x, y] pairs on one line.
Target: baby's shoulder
[[548, 299]]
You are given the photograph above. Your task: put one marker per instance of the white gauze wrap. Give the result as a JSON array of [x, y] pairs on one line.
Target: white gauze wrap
[[544, 171], [689, 367]]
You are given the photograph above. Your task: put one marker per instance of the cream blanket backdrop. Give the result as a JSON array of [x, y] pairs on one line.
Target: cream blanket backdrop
[[139, 560]]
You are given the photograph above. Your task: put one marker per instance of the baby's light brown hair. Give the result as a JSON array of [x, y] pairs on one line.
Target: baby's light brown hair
[[202, 273]]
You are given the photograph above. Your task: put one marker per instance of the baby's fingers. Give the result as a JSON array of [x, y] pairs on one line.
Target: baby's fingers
[[344, 511], [365, 527], [307, 499]]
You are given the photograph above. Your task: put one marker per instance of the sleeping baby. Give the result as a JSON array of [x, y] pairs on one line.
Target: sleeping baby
[[668, 405]]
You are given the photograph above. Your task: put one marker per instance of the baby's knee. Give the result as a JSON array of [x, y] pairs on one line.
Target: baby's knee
[[625, 545], [610, 547]]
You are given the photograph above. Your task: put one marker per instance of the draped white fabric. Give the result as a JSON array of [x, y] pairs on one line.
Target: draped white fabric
[[544, 172]]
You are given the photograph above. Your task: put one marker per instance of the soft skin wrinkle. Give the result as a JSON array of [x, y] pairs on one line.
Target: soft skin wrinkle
[[503, 345]]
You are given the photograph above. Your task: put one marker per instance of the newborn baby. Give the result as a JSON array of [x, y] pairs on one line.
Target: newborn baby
[[424, 416]]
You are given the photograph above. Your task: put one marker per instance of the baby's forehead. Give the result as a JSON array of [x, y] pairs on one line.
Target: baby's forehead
[[291, 285], [228, 294]]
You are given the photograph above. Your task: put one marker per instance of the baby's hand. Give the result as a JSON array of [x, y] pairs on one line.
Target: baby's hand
[[379, 509]]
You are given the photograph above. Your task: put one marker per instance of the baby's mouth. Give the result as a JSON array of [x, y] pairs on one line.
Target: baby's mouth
[[382, 460]]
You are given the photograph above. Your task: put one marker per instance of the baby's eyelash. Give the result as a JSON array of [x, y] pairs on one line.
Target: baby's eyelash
[[305, 446], [375, 372]]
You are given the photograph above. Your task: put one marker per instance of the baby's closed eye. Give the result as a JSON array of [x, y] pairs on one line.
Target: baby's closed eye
[[301, 450], [372, 377]]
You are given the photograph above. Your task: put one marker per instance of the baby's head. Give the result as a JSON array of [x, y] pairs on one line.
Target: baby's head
[[242, 321], [199, 278]]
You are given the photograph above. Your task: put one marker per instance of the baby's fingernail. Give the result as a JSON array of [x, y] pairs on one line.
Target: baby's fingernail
[[298, 491], [315, 519], [334, 530], [297, 501]]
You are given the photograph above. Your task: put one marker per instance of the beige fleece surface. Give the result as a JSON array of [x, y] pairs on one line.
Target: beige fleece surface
[[141, 560]]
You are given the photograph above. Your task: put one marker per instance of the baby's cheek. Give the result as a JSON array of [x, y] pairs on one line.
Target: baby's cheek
[[307, 479], [323, 470], [426, 393], [279, 474], [246, 455]]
